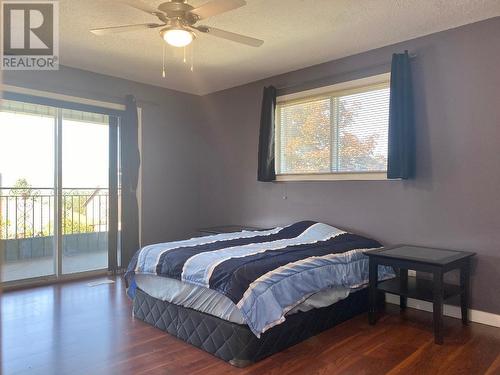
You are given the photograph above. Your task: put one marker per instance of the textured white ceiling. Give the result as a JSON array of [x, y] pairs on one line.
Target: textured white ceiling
[[297, 33]]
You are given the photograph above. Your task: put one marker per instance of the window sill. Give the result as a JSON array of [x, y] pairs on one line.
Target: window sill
[[351, 176]]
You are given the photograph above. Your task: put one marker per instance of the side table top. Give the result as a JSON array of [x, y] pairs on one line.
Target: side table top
[[421, 254]]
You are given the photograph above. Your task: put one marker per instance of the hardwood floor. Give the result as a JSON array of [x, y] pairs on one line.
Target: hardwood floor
[[76, 329]]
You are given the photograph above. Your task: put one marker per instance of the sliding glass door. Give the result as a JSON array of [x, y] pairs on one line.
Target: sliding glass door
[[85, 191], [55, 207], [27, 190]]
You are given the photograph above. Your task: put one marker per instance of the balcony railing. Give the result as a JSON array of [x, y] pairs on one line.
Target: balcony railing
[[27, 221]]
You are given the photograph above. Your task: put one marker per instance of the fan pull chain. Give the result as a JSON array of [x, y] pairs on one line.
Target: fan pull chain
[[163, 74], [192, 58], [184, 60]]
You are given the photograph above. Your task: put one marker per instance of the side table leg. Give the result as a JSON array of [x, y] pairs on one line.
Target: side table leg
[[438, 306], [464, 295], [373, 278], [403, 276]]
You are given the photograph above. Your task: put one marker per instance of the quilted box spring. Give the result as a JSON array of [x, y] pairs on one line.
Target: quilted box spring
[[235, 343]]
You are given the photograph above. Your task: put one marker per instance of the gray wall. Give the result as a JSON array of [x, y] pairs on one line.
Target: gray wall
[[170, 154], [453, 203]]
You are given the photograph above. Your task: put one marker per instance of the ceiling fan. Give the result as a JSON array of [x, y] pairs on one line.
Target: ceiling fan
[[179, 21]]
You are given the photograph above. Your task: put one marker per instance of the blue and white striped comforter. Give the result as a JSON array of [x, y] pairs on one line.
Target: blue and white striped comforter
[[265, 273]]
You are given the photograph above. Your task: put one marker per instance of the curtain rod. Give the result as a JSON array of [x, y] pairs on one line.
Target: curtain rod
[[322, 80]]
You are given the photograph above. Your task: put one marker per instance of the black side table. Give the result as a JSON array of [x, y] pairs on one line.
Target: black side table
[[435, 261]]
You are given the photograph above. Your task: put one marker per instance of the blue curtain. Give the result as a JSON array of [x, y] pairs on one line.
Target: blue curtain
[[401, 154], [130, 161], [266, 169]]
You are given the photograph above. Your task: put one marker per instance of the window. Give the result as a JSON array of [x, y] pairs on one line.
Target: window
[[337, 132]]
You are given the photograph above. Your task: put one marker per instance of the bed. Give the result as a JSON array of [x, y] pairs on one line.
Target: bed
[[246, 295]]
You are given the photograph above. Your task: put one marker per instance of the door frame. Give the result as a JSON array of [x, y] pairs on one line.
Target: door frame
[[60, 101]]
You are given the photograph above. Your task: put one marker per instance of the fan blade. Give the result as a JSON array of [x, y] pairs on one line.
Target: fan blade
[[238, 38], [141, 5], [125, 28], [217, 7]]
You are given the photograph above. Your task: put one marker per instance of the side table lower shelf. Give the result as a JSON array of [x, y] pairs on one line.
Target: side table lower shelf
[[417, 288]]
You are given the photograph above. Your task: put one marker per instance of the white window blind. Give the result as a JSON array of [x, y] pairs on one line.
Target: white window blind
[[339, 132]]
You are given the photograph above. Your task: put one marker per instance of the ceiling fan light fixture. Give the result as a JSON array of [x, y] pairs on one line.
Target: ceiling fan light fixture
[[177, 37]]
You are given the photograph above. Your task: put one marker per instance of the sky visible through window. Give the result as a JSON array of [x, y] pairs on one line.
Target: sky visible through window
[[27, 151]]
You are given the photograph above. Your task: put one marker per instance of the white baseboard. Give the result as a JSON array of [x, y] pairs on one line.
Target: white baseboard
[[449, 310]]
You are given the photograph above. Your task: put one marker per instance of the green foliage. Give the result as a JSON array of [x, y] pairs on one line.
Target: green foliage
[[76, 226], [27, 198], [74, 211], [22, 188]]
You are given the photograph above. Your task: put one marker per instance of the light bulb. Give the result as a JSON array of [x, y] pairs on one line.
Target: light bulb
[[178, 37]]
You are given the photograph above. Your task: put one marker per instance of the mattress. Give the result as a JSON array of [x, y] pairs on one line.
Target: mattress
[[211, 302], [236, 343]]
